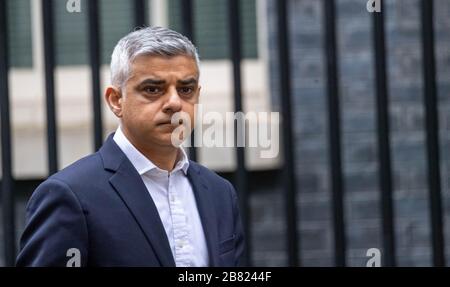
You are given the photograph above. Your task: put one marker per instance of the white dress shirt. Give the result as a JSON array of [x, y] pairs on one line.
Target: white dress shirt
[[174, 198]]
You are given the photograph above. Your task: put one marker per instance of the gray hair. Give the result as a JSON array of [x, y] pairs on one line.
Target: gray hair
[[148, 41]]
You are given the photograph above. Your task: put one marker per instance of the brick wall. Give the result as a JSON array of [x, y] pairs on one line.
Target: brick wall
[[358, 122]]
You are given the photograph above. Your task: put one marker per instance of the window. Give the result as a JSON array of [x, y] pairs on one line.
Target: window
[[71, 34], [211, 27], [19, 33], [116, 20]]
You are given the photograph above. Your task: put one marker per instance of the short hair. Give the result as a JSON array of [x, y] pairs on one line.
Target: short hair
[[148, 41]]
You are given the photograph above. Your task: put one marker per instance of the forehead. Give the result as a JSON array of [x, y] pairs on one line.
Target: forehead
[[180, 66]]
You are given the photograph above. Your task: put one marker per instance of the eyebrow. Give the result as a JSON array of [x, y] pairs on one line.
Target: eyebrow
[[188, 81], [158, 82], [155, 82]]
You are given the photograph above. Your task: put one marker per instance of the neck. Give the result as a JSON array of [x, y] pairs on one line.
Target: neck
[[164, 157]]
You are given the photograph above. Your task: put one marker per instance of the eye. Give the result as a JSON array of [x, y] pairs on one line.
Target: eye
[[185, 90], [152, 90]]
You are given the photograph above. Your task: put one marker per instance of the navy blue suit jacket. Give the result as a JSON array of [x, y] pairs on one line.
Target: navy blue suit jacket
[[101, 206]]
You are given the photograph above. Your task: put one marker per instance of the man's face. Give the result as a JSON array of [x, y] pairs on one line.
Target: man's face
[[158, 88]]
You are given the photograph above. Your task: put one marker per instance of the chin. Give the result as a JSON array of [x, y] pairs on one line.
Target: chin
[[165, 140]]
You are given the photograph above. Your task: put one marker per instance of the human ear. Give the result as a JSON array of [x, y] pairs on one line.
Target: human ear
[[114, 99]]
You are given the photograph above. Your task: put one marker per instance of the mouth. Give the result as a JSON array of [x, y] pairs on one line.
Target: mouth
[[170, 123]]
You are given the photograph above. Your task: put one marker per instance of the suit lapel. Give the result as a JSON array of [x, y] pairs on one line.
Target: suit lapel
[[130, 187], [206, 210]]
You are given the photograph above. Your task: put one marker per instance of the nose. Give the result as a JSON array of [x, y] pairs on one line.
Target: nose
[[173, 103]]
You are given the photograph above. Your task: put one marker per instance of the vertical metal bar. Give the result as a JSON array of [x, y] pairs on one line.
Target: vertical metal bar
[[139, 13], [288, 139], [432, 126], [334, 132], [241, 172], [49, 52], [8, 201], [94, 58], [187, 19], [384, 152]]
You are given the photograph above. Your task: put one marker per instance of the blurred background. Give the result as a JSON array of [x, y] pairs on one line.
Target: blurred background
[[363, 97]]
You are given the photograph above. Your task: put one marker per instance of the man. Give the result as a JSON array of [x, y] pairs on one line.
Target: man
[[138, 201]]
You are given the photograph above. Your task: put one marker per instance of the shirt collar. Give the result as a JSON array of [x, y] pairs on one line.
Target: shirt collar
[[141, 163], [182, 161]]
